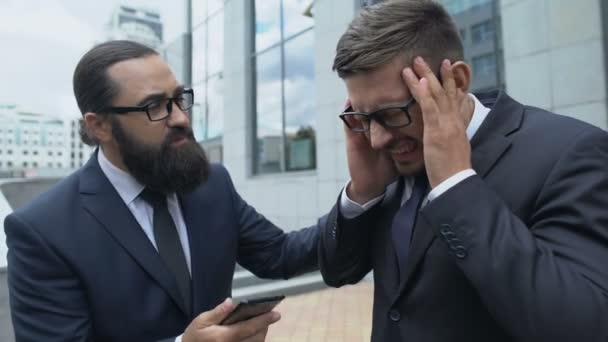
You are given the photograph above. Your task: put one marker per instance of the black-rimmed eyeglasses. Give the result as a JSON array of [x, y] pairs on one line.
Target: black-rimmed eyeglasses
[[389, 117], [160, 109]]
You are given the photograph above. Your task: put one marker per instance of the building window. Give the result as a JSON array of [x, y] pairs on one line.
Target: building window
[[207, 70], [9, 163], [25, 164], [478, 24], [35, 153], [9, 151], [25, 152], [35, 164], [284, 85], [482, 32], [50, 153], [484, 66]]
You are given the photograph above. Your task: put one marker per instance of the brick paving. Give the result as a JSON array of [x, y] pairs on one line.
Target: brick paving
[[329, 315]]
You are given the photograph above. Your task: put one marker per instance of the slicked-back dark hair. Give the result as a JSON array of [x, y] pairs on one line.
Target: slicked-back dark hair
[[407, 28], [93, 88]]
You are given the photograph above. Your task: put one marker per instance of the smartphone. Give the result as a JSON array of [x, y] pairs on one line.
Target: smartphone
[[247, 309]]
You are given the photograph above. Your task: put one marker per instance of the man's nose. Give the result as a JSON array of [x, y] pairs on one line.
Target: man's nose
[[178, 117], [379, 136]]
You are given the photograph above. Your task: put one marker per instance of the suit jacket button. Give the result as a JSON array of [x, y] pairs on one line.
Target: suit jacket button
[[460, 252], [394, 315]]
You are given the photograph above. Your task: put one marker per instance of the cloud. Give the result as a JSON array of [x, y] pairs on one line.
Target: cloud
[[42, 41]]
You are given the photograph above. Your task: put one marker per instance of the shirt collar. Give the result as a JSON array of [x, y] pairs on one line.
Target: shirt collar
[[126, 185], [479, 115]]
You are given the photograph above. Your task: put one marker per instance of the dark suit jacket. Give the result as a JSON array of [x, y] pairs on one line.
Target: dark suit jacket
[[80, 268], [517, 253]]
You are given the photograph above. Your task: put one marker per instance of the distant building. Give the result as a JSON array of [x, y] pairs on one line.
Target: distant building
[[32, 144], [138, 24], [79, 153]]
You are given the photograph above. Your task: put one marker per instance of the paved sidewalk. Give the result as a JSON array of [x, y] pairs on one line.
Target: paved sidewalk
[[330, 315]]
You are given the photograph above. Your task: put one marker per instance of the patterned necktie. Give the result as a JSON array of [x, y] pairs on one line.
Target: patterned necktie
[[405, 219], [168, 243]]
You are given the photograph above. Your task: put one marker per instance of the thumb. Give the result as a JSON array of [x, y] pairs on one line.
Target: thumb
[[215, 316]]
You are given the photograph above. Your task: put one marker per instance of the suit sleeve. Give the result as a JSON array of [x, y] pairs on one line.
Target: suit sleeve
[[266, 250], [47, 301], [547, 279], [345, 248]]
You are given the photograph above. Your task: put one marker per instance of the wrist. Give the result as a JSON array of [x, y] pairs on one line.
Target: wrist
[[362, 196]]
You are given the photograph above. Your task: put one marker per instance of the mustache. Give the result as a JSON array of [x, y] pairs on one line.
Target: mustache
[[176, 134]]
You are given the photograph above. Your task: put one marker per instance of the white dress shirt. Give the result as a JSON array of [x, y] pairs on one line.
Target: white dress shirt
[[350, 209], [129, 189]]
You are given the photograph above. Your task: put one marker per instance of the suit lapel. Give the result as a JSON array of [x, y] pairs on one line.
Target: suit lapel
[[489, 144], [101, 200]]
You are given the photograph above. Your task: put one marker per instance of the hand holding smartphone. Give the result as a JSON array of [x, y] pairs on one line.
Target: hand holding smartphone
[[247, 309]]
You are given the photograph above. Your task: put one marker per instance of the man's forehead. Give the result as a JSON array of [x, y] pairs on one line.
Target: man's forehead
[[140, 77]]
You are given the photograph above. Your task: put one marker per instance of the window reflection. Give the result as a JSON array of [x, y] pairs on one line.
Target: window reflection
[[199, 55], [215, 108], [213, 6], [208, 64], [216, 43], [294, 19], [267, 23], [269, 112], [300, 102], [198, 111], [285, 117], [482, 45], [199, 11]]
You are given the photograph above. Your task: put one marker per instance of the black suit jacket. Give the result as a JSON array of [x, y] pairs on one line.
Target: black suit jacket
[[518, 252], [80, 268]]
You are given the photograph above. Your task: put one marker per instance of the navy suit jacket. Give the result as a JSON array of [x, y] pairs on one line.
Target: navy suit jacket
[[518, 252], [80, 268]]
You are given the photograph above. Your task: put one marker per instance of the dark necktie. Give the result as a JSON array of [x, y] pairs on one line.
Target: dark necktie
[[405, 219], [168, 243]]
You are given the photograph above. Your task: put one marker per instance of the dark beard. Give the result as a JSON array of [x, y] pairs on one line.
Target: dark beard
[[165, 168]]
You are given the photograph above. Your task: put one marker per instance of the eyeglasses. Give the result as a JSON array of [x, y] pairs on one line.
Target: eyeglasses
[[160, 109], [390, 117]]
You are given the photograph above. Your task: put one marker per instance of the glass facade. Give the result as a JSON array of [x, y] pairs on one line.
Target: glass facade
[[207, 73], [285, 97], [477, 22]]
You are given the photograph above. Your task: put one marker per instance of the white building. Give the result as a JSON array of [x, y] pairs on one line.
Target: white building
[[32, 144], [79, 153], [138, 24]]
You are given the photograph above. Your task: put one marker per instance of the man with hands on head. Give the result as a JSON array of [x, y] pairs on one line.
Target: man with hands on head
[[483, 219]]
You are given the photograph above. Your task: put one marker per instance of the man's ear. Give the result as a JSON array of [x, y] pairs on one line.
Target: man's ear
[[99, 126], [462, 75]]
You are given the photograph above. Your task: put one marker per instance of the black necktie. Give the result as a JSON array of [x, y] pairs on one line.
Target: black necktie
[[168, 243], [404, 220]]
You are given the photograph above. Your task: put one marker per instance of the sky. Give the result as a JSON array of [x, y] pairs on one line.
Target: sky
[[42, 41]]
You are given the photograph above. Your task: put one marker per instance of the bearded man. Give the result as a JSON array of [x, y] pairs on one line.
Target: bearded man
[[140, 244]]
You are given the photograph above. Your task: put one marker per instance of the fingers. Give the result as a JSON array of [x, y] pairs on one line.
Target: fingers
[[215, 316], [428, 105], [423, 70], [447, 75], [252, 327]]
